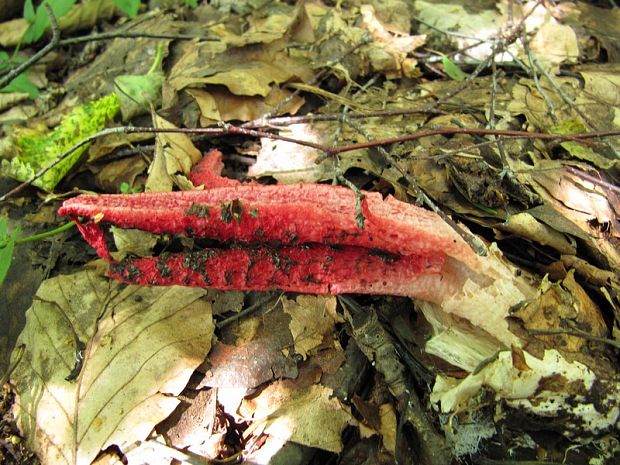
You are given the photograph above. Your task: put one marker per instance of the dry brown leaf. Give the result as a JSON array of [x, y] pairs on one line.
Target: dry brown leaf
[[218, 104], [248, 366], [525, 225], [389, 426], [562, 306]]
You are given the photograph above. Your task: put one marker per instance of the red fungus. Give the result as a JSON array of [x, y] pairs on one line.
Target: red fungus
[[402, 249], [316, 269], [290, 214], [207, 172]]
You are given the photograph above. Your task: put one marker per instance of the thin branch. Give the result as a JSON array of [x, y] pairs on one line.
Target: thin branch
[[499, 46], [288, 120], [476, 131], [599, 182], [12, 74], [229, 129], [574, 333], [225, 129], [251, 309], [131, 35]]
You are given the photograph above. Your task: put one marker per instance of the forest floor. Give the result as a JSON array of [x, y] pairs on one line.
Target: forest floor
[[443, 287]]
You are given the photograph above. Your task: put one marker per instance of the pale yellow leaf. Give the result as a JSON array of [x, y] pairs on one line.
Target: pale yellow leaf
[[306, 415], [142, 345], [388, 426], [312, 317], [175, 154]]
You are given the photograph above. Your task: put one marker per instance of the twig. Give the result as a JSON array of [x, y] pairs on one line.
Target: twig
[[575, 333], [491, 125], [12, 74], [476, 131], [498, 46], [569, 101], [599, 182], [379, 347], [532, 70], [225, 129], [487, 461], [247, 311], [229, 129], [287, 120], [130, 35]]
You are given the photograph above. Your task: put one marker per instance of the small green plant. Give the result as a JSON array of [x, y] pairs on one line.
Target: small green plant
[[8, 241], [39, 20], [7, 244], [452, 70], [125, 188], [21, 83], [129, 7]]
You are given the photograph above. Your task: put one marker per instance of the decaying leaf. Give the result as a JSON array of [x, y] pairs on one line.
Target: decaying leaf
[[312, 319], [290, 163], [305, 415], [218, 104], [562, 305], [524, 355], [248, 366], [139, 347], [550, 387]]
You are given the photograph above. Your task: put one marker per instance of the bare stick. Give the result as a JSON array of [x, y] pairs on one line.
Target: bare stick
[[477, 131]]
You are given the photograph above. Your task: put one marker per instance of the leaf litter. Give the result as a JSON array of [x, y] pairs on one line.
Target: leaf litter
[[522, 347]]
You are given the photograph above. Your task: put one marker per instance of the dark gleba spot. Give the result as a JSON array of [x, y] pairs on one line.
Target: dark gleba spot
[[163, 268], [198, 210], [231, 211]]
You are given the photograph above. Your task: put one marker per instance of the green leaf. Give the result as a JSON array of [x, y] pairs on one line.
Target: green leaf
[[129, 7], [138, 94], [7, 244], [191, 3], [452, 70], [38, 150], [29, 11], [42, 21], [22, 84], [577, 150], [7, 62]]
